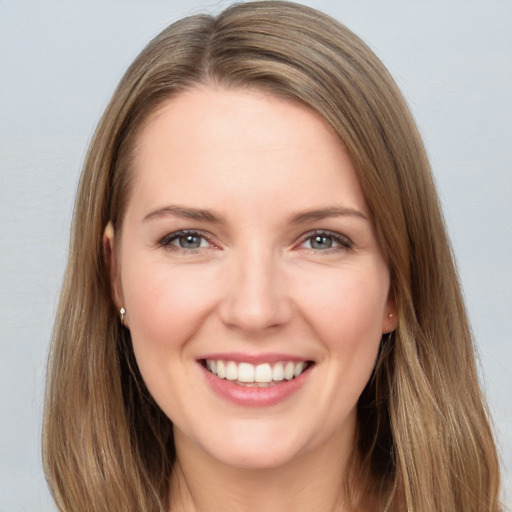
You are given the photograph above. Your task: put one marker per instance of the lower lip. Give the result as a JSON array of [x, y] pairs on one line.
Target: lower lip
[[253, 396]]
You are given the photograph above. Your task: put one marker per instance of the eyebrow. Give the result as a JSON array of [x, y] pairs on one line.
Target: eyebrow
[[185, 213], [208, 216], [324, 213]]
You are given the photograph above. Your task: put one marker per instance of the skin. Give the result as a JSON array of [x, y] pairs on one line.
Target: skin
[[256, 284]]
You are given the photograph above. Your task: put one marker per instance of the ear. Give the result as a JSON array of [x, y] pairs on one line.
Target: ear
[[390, 318], [109, 254]]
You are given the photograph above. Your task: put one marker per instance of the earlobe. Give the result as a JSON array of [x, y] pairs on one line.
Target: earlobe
[[390, 321], [109, 255]]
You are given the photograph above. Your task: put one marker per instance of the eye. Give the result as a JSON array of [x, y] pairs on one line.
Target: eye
[[186, 241], [325, 240]]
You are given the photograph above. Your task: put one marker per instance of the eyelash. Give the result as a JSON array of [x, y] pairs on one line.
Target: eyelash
[[344, 243], [167, 240]]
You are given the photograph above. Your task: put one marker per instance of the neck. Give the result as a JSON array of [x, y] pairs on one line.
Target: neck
[[313, 481]]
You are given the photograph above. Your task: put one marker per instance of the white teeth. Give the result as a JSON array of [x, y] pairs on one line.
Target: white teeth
[[278, 372], [289, 371], [263, 373], [221, 369], [246, 372], [231, 371], [259, 375], [299, 368]]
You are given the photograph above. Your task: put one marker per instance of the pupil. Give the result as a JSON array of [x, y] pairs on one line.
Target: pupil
[[321, 242], [190, 242]]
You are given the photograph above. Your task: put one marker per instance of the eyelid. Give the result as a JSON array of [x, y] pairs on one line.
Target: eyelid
[[344, 242], [166, 241]]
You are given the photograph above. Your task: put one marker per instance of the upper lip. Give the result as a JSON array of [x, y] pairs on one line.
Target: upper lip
[[270, 357]]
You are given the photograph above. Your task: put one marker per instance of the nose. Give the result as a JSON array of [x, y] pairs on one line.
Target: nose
[[255, 296]]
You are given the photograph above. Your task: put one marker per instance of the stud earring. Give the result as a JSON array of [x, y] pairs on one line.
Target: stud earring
[[122, 313], [391, 315]]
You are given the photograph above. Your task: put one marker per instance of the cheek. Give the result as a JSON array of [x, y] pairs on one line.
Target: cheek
[[348, 308], [346, 313], [165, 307]]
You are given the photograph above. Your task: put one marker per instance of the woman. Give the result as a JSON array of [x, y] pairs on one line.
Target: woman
[[260, 308]]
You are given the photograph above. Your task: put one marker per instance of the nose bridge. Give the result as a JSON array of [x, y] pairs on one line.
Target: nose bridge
[[256, 297]]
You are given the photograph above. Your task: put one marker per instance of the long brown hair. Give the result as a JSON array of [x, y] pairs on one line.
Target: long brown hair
[[424, 442]]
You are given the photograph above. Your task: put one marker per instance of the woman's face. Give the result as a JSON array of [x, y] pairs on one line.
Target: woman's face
[[255, 290]]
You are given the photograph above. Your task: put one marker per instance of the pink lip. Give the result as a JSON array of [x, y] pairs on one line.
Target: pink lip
[[253, 396], [271, 357]]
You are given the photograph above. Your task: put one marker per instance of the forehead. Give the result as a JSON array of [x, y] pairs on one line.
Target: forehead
[[218, 145]]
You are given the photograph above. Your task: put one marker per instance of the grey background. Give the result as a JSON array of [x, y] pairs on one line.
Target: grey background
[[59, 63]]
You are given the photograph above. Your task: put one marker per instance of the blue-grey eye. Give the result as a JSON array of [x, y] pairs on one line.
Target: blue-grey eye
[[321, 242], [325, 241], [185, 241], [189, 241]]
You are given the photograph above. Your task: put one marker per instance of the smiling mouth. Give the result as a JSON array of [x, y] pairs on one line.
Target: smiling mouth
[[260, 375]]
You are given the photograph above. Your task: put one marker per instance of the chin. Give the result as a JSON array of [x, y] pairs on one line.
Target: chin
[[257, 449], [256, 458]]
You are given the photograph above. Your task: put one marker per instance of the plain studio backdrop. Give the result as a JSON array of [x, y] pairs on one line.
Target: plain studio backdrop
[[60, 62]]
